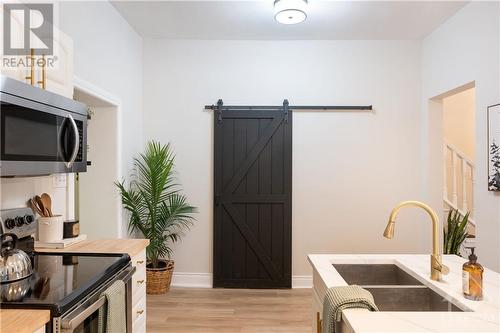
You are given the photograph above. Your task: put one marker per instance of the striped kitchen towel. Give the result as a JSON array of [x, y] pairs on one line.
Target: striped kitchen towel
[[340, 298]]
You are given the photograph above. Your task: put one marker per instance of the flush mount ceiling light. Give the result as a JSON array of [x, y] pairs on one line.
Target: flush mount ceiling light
[[290, 11]]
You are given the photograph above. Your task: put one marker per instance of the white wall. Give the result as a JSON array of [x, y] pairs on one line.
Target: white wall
[[462, 50], [107, 54], [98, 197], [349, 168], [15, 192]]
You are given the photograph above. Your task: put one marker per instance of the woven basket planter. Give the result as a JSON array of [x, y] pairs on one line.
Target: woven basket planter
[[158, 279]]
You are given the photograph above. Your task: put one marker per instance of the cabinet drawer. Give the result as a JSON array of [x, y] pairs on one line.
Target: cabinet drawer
[[139, 310], [139, 260], [138, 279], [138, 294], [139, 325]]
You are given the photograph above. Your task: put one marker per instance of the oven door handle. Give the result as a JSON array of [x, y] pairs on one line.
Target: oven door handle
[[71, 323]]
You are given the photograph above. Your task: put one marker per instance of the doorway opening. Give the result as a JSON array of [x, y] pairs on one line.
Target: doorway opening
[[97, 201], [458, 140]]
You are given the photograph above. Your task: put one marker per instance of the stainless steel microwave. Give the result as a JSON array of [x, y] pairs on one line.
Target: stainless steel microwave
[[41, 132]]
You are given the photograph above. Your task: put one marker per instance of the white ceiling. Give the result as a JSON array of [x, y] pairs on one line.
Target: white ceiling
[[254, 19]]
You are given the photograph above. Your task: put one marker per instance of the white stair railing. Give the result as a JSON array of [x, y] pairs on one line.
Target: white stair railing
[[458, 181]]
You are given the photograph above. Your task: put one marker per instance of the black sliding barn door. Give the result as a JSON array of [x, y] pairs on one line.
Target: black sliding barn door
[[253, 201]]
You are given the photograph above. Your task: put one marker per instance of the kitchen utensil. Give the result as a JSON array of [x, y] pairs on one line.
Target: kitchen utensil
[[71, 228], [39, 202], [35, 207], [14, 263], [47, 202], [50, 228]]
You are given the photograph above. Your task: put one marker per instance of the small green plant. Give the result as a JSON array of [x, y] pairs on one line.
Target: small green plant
[[455, 232], [157, 208]]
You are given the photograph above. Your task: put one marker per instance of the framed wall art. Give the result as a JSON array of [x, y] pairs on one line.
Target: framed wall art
[[494, 147]]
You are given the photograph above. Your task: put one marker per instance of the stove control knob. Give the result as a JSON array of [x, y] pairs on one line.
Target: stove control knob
[[9, 223], [19, 221], [28, 219]]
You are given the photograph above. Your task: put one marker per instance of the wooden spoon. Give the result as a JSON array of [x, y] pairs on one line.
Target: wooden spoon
[[35, 207], [47, 202], [39, 210], [39, 202]]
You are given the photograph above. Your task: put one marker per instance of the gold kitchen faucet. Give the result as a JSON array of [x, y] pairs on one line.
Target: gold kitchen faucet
[[437, 267]]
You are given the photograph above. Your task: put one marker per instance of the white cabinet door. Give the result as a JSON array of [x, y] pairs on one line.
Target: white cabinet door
[[18, 72], [317, 312], [59, 78]]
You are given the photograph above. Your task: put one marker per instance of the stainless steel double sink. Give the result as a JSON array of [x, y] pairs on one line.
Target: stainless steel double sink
[[393, 289]]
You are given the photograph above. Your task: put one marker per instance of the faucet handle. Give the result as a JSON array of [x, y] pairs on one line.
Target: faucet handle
[[437, 267], [444, 269]]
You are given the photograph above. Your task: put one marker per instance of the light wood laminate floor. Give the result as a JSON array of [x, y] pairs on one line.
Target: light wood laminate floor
[[191, 310]]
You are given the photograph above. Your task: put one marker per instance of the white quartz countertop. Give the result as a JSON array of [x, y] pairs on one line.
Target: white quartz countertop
[[479, 316]]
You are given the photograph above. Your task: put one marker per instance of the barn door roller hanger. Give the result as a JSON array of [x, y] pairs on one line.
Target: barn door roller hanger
[[220, 107]]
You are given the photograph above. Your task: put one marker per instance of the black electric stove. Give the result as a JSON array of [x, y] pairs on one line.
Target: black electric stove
[[70, 285], [60, 281]]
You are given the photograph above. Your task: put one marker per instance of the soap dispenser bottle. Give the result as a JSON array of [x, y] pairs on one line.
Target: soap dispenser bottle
[[472, 278]]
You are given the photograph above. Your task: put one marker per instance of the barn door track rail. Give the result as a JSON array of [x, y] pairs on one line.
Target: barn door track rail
[[220, 107]]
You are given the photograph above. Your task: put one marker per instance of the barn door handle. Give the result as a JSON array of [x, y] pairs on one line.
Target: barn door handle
[[217, 200]]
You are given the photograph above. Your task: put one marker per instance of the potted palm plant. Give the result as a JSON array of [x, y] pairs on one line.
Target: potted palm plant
[[157, 210]]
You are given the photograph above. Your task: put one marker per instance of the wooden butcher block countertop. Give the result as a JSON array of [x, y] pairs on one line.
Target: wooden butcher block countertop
[[23, 321], [129, 246]]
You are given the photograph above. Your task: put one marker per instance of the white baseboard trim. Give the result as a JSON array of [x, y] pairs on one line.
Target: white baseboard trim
[[302, 281], [204, 280], [192, 280]]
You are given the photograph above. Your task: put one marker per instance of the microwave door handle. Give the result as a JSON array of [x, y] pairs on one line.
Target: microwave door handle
[[76, 147]]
